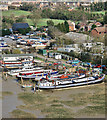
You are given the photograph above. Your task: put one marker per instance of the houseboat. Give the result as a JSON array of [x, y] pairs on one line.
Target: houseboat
[[55, 84]]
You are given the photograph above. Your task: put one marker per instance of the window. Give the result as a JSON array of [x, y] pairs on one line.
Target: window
[[99, 32]]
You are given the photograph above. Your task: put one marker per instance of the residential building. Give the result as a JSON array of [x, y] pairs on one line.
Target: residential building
[[3, 7], [98, 31], [71, 26], [17, 26]]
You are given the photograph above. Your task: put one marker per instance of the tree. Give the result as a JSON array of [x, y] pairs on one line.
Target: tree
[[50, 23], [66, 26], [5, 32], [105, 18], [36, 16], [93, 26]]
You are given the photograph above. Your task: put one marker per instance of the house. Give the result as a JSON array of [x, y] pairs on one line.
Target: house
[[82, 26], [17, 26], [89, 26], [98, 31], [98, 24], [71, 26]]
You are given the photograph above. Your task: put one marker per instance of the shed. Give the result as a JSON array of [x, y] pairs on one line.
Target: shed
[[17, 26]]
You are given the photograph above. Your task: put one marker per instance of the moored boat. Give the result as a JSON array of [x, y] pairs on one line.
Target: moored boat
[[56, 84], [27, 68], [34, 74]]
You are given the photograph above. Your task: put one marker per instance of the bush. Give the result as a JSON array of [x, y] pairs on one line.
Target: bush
[[23, 31], [6, 32]]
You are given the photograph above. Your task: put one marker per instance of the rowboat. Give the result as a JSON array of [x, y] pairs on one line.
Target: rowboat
[[56, 84]]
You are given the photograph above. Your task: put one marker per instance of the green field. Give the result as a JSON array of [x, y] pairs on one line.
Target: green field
[[99, 12], [42, 22], [15, 12]]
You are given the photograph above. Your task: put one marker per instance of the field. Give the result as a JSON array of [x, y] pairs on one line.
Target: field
[[41, 22], [15, 12], [99, 12]]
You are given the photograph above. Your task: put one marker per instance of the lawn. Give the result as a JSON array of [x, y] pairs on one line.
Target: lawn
[[15, 12], [99, 12], [43, 22]]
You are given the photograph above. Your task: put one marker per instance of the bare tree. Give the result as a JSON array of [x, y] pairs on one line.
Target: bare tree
[[36, 16]]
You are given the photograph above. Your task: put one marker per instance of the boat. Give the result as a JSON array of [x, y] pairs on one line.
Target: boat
[[35, 72], [3, 44], [38, 44], [26, 86], [39, 73], [56, 84], [25, 68]]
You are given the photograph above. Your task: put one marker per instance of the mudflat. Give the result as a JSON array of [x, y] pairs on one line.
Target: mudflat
[[78, 102]]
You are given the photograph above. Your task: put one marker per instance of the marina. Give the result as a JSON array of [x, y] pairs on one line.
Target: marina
[[53, 59]]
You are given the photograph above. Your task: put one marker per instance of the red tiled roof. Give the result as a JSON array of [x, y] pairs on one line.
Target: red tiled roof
[[100, 29]]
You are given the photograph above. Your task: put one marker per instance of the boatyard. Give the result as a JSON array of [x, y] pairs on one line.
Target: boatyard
[[53, 59], [40, 90]]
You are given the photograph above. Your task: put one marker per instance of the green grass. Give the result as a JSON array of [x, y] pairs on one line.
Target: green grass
[[43, 22], [21, 114], [99, 12], [15, 12]]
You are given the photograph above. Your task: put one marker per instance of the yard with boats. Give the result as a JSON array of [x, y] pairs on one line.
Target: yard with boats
[[84, 101]]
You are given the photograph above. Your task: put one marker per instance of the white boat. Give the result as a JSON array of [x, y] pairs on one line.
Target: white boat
[[27, 68], [3, 44], [55, 84], [38, 44], [36, 74]]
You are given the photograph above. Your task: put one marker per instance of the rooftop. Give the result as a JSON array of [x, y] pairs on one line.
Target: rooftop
[[100, 29], [14, 55]]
